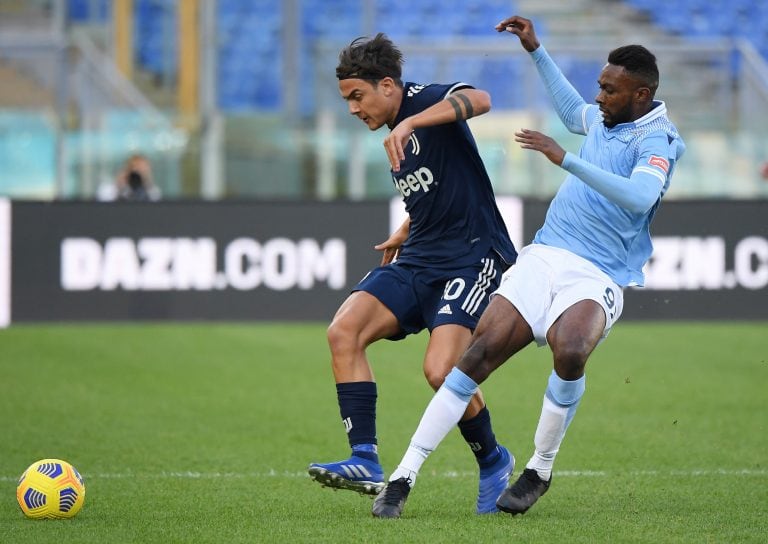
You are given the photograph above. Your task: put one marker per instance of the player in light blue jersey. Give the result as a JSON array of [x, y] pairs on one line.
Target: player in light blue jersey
[[451, 253], [566, 288]]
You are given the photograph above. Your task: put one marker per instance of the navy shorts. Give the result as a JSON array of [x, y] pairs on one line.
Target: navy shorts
[[429, 297]]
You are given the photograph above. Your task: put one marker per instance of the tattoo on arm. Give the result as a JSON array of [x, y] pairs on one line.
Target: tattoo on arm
[[467, 105], [456, 107], [461, 115]]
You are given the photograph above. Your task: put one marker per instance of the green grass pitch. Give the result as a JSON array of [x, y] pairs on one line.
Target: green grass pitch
[[202, 433]]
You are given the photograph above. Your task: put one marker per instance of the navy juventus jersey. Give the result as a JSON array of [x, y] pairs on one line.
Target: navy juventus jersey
[[446, 190]]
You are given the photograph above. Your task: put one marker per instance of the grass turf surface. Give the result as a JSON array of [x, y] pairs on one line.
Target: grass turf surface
[[202, 433]]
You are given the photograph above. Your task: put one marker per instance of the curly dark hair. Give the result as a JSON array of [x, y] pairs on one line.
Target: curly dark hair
[[371, 59], [639, 62]]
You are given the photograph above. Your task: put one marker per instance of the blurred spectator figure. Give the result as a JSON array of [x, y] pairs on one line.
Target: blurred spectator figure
[[133, 182], [764, 171]]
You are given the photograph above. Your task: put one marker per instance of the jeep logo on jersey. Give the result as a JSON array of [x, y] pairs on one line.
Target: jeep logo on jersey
[[420, 180], [179, 264]]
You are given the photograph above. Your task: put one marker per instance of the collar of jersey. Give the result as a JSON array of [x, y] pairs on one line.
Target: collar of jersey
[[401, 114], [659, 110]]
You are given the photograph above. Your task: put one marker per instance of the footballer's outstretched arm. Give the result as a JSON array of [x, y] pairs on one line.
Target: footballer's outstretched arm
[[637, 193], [459, 105], [570, 105]]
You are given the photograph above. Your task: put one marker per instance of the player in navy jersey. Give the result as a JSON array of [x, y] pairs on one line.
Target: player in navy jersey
[[437, 269], [566, 288]]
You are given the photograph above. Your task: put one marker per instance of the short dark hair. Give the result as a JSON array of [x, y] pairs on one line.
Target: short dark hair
[[371, 59], [638, 62]]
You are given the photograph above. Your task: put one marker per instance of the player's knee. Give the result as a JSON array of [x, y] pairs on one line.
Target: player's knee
[[342, 336], [435, 377], [571, 358]]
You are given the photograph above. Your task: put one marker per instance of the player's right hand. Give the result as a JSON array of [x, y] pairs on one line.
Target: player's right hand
[[523, 29], [395, 143], [532, 139]]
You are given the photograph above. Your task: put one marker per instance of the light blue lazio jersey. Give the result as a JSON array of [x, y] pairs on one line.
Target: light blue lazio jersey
[[603, 210]]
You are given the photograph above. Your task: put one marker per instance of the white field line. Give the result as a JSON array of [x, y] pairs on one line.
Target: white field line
[[193, 475]]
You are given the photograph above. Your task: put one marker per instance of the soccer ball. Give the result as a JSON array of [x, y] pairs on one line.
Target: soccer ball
[[52, 489]]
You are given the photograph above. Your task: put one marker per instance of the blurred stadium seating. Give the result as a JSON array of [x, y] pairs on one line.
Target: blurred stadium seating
[[252, 63], [696, 19], [251, 57], [274, 63]]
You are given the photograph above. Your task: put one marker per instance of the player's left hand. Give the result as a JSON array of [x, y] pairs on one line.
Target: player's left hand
[[531, 139], [523, 29], [391, 246], [395, 143], [391, 249]]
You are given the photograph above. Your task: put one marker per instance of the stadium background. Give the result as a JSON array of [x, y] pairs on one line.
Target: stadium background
[[236, 104], [202, 432]]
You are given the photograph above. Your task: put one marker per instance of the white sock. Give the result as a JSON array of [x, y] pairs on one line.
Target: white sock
[[549, 436], [561, 400], [442, 414]]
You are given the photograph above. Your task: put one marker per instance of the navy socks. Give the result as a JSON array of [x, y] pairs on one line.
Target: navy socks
[[479, 435], [357, 406]]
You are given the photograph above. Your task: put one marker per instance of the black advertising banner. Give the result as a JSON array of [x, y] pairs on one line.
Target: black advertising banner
[[89, 261], [189, 260], [710, 261]]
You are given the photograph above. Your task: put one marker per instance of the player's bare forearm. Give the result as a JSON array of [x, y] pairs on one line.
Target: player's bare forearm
[[469, 103], [459, 106], [523, 29], [531, 139]]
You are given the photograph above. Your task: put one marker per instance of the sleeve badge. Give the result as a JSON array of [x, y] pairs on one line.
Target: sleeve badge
[[661, 162]]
